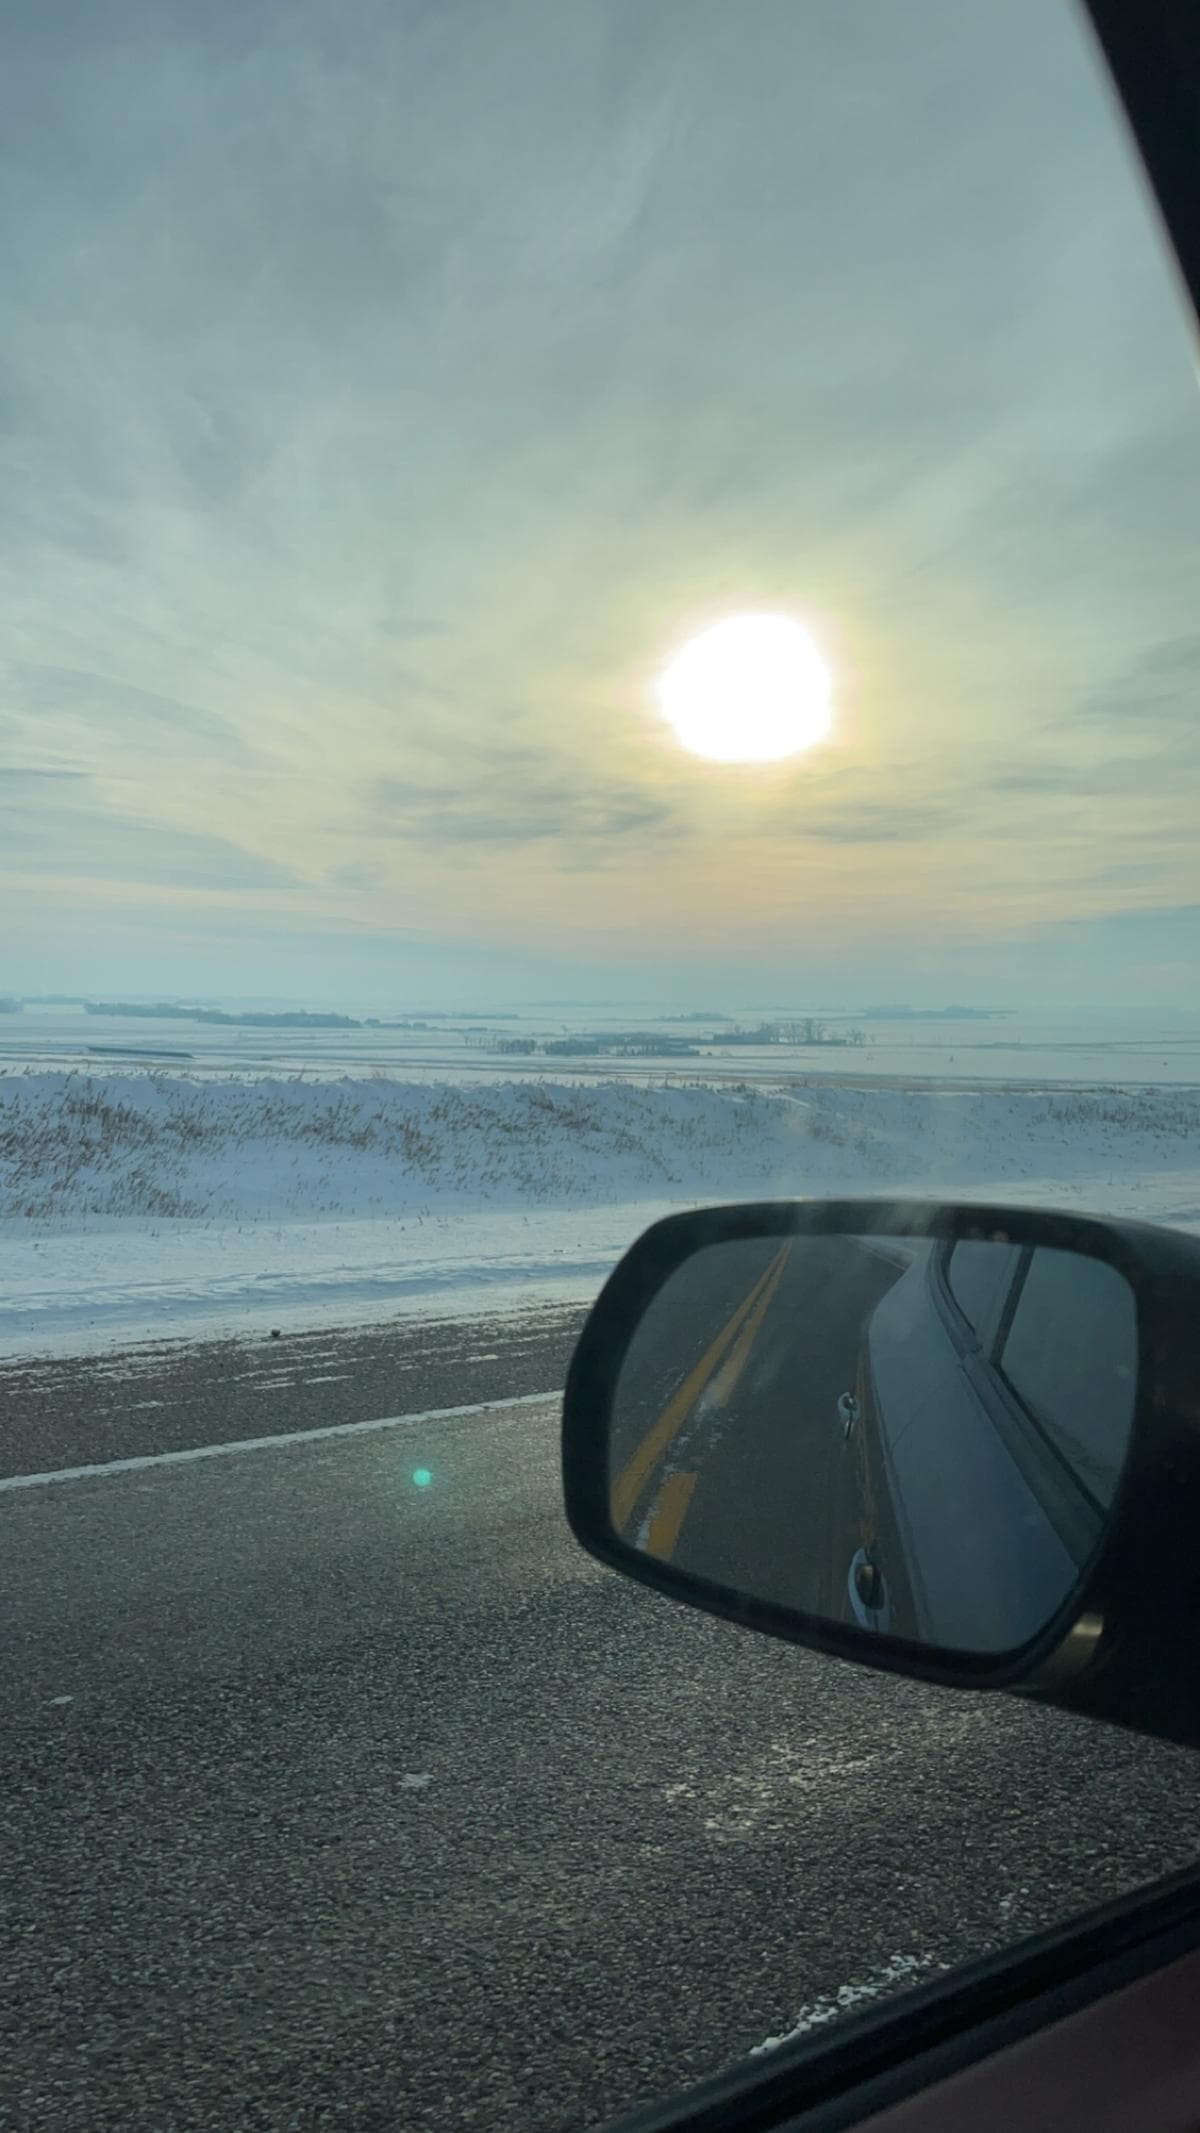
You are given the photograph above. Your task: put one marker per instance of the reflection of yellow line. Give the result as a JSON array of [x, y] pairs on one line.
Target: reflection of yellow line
[[669, 1513], [666, 1519], [735, 1362], [631, 1480]]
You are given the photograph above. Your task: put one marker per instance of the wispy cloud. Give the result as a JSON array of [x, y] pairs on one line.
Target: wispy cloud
[[517, 800], [382, 403], [81, 839]]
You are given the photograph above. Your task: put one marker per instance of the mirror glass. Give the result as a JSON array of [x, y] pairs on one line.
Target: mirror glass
[[917, 1436]]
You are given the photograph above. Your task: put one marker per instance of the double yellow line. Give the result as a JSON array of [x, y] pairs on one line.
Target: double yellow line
[[720, 1366]]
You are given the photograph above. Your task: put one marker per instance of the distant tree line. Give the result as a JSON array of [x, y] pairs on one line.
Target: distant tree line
[[254, 1018], [806, 1031], [164, 1011], [651, 1044]]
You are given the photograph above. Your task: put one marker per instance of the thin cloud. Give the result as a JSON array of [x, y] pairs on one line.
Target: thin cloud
[[878, 824], [381, 409], [80, 844], [116, 713], [22, 773], [537, 810]]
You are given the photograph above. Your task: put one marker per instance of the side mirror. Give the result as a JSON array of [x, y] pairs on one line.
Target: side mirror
[[959, 1442]]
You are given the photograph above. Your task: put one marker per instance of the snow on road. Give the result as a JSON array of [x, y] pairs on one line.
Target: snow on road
[[139, 1205]]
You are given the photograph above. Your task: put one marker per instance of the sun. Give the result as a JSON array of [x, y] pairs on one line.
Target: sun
[[751, 689]]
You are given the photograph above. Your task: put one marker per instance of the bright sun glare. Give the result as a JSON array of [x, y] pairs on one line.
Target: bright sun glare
[[751, 689]]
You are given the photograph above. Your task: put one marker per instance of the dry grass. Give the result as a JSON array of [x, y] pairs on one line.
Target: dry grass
[[164, 1145]]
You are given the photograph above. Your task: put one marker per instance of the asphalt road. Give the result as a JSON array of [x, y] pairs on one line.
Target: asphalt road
[[166, 1397], [728, 1456], [328, 1799]]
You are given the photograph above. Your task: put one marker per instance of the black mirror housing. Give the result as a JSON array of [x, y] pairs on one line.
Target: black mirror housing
[[1119, 1640]]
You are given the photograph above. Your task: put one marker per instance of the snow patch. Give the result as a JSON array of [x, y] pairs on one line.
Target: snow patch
[[137, 1206], [898, 1970]]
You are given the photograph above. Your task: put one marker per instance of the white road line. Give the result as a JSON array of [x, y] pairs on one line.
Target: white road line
[[271, 1444]]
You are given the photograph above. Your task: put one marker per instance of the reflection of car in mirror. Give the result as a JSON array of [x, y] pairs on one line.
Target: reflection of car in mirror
[[996, 1390]]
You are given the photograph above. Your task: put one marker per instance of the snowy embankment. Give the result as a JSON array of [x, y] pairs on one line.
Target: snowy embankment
[[135, 1205]]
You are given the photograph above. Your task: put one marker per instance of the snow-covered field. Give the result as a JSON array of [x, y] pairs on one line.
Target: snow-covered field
[[1008, 1048], [148, 1204]]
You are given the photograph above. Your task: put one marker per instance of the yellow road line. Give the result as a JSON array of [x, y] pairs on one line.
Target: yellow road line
[[630, 1482], [675, 1495], [731, 1369], [669, 1513]]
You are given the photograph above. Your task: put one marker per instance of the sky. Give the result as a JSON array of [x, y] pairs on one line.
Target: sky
[[388, 390]]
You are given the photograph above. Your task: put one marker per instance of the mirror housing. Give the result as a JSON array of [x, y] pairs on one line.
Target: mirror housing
[[1124, 1644]]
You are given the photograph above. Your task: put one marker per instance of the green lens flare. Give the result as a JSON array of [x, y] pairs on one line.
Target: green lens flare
[[421, 1477]]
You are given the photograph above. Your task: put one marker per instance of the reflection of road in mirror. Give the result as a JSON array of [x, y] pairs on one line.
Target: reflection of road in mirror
[[728, 1454], [871, 1431]]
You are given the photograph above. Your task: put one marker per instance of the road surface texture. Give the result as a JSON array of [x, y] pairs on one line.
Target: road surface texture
[[339, 1789], [728, 1455], [167, 1396]]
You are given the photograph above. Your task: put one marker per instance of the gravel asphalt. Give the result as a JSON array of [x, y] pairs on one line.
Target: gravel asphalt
[[330, 1799]]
